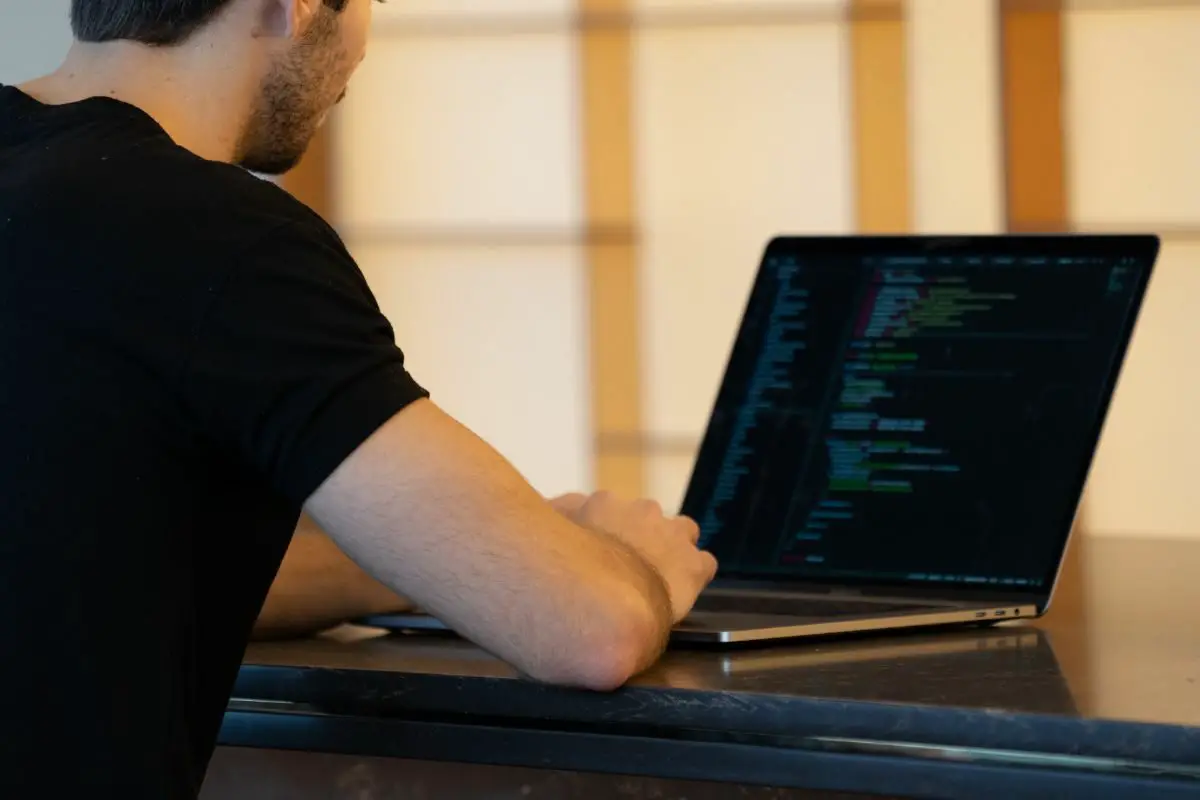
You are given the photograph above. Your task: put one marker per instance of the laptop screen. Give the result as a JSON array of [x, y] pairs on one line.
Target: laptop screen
[[916, 410]]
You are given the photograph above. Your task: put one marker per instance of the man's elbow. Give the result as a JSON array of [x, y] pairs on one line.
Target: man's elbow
[[610, 655]]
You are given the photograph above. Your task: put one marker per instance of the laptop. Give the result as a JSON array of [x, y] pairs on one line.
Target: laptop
[[903, 432]]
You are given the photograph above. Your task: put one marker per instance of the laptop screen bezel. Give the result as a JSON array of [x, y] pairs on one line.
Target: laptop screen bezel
[[1144, 247]]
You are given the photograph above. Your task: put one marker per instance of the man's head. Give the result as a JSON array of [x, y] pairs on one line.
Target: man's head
[[300, 56]]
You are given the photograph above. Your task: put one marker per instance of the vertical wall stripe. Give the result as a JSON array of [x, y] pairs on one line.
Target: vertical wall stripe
[[612, 258], [1031, 48], [1031, 44], [957, 153], [879, 80]]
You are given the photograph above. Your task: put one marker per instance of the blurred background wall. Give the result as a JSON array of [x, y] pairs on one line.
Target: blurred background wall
[[561, 203], [34, 35]]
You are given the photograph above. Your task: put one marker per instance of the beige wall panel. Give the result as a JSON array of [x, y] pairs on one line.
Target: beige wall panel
[[498, 336], [421, 10], [830, 7], [1133, 116], [462, 132], [1133, 164], [957, 154], [742, 133], [667, 478]]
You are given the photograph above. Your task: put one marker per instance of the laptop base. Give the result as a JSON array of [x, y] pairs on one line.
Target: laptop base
[[733, 627]]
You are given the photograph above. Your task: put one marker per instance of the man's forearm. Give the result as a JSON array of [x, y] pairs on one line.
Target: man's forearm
[[318, 587], [435, 512]]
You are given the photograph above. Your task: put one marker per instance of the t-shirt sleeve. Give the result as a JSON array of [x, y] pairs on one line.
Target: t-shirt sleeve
[[294, 364]]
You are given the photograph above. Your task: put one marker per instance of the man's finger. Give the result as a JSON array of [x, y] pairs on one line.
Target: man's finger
[[569, 503], [690, 527]]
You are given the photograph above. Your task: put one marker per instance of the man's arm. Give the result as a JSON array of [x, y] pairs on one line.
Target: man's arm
[[296, 371], [318, 587], [434, 513]]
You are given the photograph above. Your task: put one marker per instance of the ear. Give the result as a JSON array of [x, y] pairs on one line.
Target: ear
[[286, 19]]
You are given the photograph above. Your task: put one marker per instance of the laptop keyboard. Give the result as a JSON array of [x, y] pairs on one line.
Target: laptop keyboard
[[800, 606]]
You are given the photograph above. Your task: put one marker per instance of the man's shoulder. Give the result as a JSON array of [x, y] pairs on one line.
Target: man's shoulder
[[152, 193], [189, 194]]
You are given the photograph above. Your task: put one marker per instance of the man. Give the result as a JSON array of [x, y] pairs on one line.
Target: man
[[190, 358]]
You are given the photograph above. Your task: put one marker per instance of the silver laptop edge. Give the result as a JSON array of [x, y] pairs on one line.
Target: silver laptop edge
[[917, 619]]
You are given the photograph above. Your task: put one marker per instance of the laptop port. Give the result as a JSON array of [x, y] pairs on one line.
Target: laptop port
[[1001, 613]]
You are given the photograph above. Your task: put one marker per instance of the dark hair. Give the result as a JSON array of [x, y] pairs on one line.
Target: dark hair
[[153, 22]]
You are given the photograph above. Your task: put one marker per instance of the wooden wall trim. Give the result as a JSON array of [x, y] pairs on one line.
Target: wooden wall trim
[[879, 80], [1032, 94], [613, 285]]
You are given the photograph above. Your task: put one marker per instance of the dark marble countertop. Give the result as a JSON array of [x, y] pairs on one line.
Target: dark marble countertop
[[1116, 689]]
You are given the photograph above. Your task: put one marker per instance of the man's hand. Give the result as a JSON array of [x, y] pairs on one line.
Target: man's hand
[[668, 544]]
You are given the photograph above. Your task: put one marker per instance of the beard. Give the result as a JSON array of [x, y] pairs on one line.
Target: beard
[[296, 95]]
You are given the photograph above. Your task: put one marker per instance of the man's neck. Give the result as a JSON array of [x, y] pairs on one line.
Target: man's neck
[[185, 89]]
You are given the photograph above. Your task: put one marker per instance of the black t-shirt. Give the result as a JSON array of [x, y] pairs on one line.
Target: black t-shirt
[[186, 353]]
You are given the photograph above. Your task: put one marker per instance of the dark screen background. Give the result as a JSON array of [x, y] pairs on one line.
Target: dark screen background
[[923, 417]]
